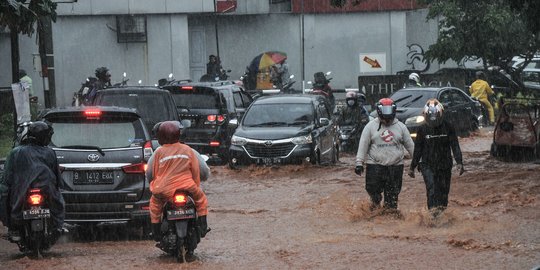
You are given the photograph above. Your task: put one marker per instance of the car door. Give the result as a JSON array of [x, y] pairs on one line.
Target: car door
[[463, 110], [326, 138], [450, 113]]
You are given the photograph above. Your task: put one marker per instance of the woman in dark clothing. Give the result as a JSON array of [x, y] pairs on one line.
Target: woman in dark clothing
[[435, 141]]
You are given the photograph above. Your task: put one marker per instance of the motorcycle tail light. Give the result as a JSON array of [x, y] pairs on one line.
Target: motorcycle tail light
[[134, 168], [214, 143], [180, 199], [35, 198]]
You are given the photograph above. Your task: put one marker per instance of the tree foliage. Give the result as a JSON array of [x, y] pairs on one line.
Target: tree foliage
[[492, 30], [21, 15]]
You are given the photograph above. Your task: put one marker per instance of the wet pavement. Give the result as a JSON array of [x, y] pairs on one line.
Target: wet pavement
[[317, 217]]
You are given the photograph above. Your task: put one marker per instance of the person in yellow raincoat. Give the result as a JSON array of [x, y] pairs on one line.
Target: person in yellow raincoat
[[175, 166], [481, 90]]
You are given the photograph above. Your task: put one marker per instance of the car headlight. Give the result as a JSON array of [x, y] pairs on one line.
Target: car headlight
[[302, 139], [235, 140], [415, 120]]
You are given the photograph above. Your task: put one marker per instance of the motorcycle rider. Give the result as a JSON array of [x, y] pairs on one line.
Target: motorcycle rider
[[94, 84], [174, 166], [436, 138], [31, 165], [354, 114], [413, 81], [321, 86], [381, 151], [481, 90]]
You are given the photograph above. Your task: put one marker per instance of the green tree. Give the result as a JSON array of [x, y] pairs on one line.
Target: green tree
[[21, 16]]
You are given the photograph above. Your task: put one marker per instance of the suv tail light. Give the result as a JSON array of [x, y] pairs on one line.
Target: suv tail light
[[92, 114], [147, 150], [180, 198], [212, 118], [186, 87], [35, 198], [135, 168], [214, 143]]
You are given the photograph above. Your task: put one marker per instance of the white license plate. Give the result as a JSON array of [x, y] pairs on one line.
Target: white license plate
[[180, 214], [270, 161], [36, 213]]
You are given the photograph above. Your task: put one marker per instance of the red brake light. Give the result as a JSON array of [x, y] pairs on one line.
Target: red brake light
[[35, 198], [211, 117], [214, 143], [186, 87], [92, 113], [180, 199], [220, 118], [135, 168]]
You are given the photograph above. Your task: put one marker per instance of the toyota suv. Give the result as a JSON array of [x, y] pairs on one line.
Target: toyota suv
[[102, 153], [210, 107]]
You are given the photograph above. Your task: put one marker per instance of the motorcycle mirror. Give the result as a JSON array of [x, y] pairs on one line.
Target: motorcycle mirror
[[328, 73], [155, 84], [309, 82], [125, 74], [140, 81], [170, 76], [228, 70], [292, 76]]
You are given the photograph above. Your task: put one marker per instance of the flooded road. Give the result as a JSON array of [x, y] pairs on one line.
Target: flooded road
[[305, 217]]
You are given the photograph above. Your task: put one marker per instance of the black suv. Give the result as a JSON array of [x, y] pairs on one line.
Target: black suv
[[102, 153], [285, 129], [153, 104], [210, 107]]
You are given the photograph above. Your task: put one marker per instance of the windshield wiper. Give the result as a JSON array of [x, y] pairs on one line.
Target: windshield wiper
[[269, 124], [401, 99], [412, 101], [299, 122], [85, 147]]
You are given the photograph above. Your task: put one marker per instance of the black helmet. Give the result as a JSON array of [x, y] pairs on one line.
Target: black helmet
[[480, 75], [386, 109], [40, 133], [433, 112], [167, 132], [101, 72]]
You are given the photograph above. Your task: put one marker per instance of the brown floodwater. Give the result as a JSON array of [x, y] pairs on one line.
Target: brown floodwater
[[318, 217]]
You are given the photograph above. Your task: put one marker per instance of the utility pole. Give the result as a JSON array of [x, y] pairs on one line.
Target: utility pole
[[47, 60]]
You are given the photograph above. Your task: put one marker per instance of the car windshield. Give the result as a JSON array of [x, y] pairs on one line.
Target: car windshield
[[279, 115], [151, 107], [105, 133], [412, 99]]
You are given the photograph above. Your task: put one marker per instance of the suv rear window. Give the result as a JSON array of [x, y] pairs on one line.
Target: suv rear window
[[196, 98], [153, 108], [104, 133]]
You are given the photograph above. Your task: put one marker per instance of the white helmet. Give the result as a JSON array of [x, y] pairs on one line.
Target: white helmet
[[414, 77]]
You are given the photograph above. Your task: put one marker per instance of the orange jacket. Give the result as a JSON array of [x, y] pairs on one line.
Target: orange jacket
[[173, 165]]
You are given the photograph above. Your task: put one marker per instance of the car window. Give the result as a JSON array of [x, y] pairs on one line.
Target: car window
[[411, 99], [279, 115], [106, 133], [458, 98], [445, 97], [531, 77], [152, 107], [246, 99], [238, 100], [196, 98]]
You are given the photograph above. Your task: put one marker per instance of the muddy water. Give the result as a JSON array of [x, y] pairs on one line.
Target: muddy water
[[305, 217]]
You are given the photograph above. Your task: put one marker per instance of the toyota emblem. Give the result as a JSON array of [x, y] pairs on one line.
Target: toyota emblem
[[268, 143], [93, 157]]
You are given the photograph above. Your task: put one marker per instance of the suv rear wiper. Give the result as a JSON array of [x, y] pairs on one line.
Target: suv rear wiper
[[85, 147]]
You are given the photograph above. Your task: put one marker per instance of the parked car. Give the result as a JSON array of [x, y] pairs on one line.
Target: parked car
[[102, 153], [531, 79], [460, 109], [285, 129], [153, 104], [210, 106]]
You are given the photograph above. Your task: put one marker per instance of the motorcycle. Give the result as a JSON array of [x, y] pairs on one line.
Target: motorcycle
[[37, 234], [346, 140], [180, 231]]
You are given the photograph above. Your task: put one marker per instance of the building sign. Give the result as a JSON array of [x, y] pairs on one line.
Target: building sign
[[224, 6], [372, 62]]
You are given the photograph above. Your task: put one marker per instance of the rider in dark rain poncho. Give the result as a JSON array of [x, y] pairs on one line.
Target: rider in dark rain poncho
[[434, 141], [31, 165]]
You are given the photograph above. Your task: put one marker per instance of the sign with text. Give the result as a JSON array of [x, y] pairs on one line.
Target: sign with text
[[372, 62]]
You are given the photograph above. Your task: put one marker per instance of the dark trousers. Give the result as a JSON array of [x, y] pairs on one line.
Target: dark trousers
[[437, 186], [386, 180]]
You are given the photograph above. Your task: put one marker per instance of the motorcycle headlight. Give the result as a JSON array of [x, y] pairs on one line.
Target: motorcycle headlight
[[235, 140], [302, 139], [415, 120]]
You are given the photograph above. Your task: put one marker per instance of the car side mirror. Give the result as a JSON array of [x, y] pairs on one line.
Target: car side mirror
[[186, 123], [324, 121], [233, 122]]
